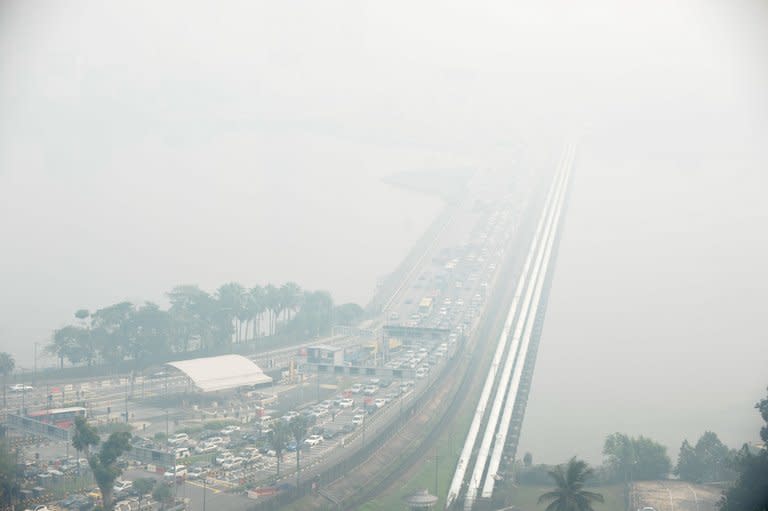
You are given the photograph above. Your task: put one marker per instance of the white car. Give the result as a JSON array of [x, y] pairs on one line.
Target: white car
[[20, 387], [229, 430], [347, 403], [179, 472], [197, 473], [313, 440], [231, 463], [205, 447], [122, 486], [356, 388], [370, 390], [358, 419], [178, 438]]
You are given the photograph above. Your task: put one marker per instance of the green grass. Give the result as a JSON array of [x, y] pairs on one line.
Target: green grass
[[448, 449], [526, 497]]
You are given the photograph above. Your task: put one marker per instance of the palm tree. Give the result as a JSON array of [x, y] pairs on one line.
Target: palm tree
[[570, 494], [278, 437], [299, 426], [230, 297], [7, 364], [256, 308], [290, 296], [272, 302], [83, 438]]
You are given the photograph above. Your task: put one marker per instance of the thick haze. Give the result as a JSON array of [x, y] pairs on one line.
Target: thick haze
[[153, 144]]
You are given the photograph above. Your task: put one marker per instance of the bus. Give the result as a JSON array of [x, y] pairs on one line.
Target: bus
[[425, 306], [60, 417]]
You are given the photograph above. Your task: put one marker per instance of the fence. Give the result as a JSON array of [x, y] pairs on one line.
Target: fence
[[36, 427]]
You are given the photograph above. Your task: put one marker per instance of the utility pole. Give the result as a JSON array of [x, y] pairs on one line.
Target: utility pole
[[436, 465], [365, 419]]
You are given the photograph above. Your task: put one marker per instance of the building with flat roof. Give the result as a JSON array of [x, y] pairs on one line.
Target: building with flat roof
[[325, 355]]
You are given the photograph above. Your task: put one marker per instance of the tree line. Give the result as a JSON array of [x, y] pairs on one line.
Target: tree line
[[628, 459], [197, 321]]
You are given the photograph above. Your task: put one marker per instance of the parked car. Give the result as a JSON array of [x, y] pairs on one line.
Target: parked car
[[178, 438], [182, 452], [233, 463], [290, 415], [178, 473], [197, 472], [122, 487], [313, 440]]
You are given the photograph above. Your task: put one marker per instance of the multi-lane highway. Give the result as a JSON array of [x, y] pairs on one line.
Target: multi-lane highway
[[478, 466]]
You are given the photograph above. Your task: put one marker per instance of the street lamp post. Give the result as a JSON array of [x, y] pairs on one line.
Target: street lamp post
[[436, 465], [205, 489]]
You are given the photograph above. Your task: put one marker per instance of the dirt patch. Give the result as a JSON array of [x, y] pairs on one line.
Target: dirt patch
[[674, 496]]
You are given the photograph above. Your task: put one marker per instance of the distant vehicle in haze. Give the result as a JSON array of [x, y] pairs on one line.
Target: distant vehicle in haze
[[122, 487], [425, 306], [313, 440], [178, 438], [182, 452], [20, 387], [177, 473]]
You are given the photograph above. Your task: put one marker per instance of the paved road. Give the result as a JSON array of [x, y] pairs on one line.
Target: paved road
[[674, 496], [200, 496]]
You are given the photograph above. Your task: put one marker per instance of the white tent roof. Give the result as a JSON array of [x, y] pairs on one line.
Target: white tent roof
[[221, 373]]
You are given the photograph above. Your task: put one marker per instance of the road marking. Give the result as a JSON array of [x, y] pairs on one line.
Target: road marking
[[671, 503], [204, 486], [695, 497]]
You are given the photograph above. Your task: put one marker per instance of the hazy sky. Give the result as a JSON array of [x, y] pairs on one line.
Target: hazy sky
[[144, 144]]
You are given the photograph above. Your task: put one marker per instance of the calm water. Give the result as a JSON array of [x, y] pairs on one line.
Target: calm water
[[165, 216], [656, 324]]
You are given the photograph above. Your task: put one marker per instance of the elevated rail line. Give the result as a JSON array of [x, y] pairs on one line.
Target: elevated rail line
[[503, 383]]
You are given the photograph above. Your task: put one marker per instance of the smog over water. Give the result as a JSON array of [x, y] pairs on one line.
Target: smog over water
[[382, 154]]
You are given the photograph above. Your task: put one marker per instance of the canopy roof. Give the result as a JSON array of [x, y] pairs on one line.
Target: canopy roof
[[221, 373]]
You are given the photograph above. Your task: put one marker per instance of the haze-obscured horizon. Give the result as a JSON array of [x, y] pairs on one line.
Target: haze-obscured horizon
[[147, 145]]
